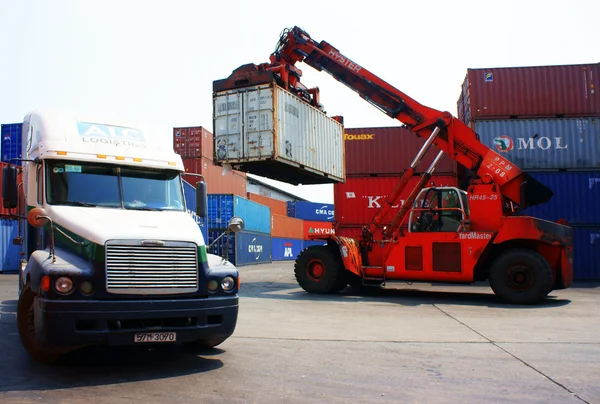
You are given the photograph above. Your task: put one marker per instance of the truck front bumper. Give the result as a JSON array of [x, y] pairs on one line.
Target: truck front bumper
[[63, 324]]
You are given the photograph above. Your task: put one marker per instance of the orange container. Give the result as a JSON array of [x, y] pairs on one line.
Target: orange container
[[286, 227], [217, 181], [277, 207]]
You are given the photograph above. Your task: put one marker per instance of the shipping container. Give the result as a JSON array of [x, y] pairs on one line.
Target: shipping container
[[531, 92], [277, 206], [218, 181], [540, 144], [189, 193], [193, 142], [10, 254], [222, 207], [286, 227], [388, 151], [317, 212], [317, 228], [576, 197], [586, 253], [358, 200], [243, 248], [286, 249], [268, 131], [12, 141]]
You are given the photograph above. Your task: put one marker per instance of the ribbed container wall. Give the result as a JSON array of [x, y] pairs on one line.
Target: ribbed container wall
[[576, 197], [312, 228], [286, 227], [544, 144], [388, 151], [244, 248], [221, 208], [193, 142], [314, 211], [12, 141], [10, 254], [586, 253], [277, 207], [217, 180], [286, 249], [189, 193], [530, 92]]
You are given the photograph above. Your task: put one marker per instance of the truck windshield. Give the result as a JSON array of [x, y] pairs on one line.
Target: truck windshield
[[102, 185]]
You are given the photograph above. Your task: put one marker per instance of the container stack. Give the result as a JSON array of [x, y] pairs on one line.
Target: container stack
[[11, 142], [318, 219], [375, 160], [10, 254], [251, 246], [546, 120]]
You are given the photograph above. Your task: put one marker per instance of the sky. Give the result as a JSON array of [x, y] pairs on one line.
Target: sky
[[155, 61]]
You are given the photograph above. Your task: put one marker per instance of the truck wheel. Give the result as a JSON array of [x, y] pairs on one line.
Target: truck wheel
[[26, 327], [521, 277], [319, 271]]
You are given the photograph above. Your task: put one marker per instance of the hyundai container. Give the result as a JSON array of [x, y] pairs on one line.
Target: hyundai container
[[193, 142], [277, 206], [544, 144], [268, 131], [388, 151], [222, 207], [530, 92], [286, 249], [218, 180], [312, 228], [11, 142], [244, 248], [315, 211]]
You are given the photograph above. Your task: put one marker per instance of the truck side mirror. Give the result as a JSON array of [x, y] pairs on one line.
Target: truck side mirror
[[10, 197], [236, 224], [201, 200]]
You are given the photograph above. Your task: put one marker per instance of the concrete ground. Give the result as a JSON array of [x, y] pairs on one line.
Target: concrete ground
[[420, 343]]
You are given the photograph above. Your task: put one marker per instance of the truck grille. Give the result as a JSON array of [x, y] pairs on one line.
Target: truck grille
[[151, 267]]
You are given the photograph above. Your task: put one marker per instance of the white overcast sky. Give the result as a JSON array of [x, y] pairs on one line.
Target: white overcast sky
[[155, 61]]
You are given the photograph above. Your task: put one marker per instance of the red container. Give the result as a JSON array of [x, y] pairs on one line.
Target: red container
[[388, 151], [277, 207], [530, 92], [193, 142], [286, 227], [354, 232], [217, 182], [317, 228], [356, 201]]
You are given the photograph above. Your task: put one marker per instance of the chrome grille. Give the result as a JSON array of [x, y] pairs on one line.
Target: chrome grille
[[138, 268]]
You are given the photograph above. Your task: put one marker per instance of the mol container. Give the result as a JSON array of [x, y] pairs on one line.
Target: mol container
[[544, 144], [314, 211], [244, 248], [534, 92], [586, 253], [192, 142], [221, 208], [358, 200], [11, 142], [268, 131], [286, 249], [218, 180]]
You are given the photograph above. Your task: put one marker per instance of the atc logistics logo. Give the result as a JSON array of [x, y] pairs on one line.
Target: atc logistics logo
[[504, 143]]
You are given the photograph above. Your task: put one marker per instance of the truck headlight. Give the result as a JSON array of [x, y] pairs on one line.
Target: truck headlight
[[63, 285], [228, 283]]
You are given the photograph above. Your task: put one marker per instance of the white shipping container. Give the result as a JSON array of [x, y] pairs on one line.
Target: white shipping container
[[268, 131]]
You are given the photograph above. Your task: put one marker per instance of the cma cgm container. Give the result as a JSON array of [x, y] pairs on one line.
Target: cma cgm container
[[11, 142], [539, 144], [218, 180], [221, 208], [319, 212], [268, 131], [244, 248], [192, 142], [189, 193], [576, 197], [586, 253], [277, 207], [388, 151], [312, 228], [286, 227], [10, 254], [286, 249], [536, 91], [357, 200]]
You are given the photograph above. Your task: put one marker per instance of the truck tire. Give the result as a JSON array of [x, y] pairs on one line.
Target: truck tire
[[319, 271], [26, 327], [521, 277]]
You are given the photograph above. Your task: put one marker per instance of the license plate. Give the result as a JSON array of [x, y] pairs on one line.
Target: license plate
[[155, 337]]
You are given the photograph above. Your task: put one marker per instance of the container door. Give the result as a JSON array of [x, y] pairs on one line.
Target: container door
[[258, 122], [229, 143]]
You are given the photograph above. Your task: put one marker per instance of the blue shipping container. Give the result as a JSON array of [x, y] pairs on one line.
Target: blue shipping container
[[11, 142], [313, 211], [576, 197], [222, 207], [243, 248], [189, 193], [10, 254], [286, 249], [540, 144], [586, 253]]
